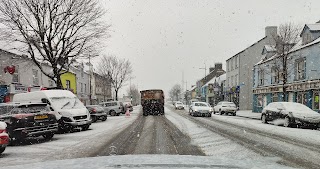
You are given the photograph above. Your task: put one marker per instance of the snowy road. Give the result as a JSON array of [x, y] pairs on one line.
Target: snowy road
[[177, 132], [295, 147]]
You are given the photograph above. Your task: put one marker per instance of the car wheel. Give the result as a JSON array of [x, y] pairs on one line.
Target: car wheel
[[209, 115], [220, 112], [94, 119], [2, 149], [234, 114], [264, 119], [287, 122], [112, 113], [85, 127], [104, 118], [48, 136]]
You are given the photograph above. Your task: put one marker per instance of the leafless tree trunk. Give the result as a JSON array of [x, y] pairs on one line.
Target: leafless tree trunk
[[118, 71], [288, 35], [54, 32], [175, 92]]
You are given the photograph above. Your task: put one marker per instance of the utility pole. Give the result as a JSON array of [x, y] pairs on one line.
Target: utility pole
[[205, 70], [90, 86]]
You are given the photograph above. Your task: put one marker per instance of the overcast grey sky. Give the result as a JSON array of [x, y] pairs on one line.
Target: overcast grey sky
[[163, 38]]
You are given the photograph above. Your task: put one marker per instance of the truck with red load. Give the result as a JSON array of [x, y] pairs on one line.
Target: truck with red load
[[152, 102]]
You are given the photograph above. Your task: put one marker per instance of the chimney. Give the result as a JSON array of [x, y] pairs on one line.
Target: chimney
[[218, 66], [211, 69], [270, 31]]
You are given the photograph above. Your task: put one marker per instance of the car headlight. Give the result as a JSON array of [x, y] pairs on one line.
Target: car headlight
[[210, 109], [195, 110]]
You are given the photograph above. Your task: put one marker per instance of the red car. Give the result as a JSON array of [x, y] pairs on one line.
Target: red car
[[4, 137]]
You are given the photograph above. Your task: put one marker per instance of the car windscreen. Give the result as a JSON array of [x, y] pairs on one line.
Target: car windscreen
[[67, 103], [5, 109], [296, 107], [201, 104]]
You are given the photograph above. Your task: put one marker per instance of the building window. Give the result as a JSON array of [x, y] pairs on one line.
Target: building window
[[35, 77], [228, 66], [236, 80], [275, 97], [15, 76], [68, 84], [274, 76], [85, 88], [81, 87], [300, 66], [236, 62], [261, 77], [228, 82], [231, 61], [315, 101], [231, 80], [302, 98], [51, 83]]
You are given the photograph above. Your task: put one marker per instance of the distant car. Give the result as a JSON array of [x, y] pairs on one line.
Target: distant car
[[30, 120], [178, 105], [225, 108], [4, 137], [293, 114], [200, 109], [97, 113], [113, 108]]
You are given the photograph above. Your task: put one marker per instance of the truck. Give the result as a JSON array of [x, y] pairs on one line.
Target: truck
[[152, 102]]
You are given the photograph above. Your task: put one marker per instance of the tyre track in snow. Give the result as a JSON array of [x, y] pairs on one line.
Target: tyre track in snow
[[150, 135], [293, 153]]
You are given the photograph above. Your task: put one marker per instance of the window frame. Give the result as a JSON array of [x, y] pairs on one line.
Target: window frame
[[35, 77], [300, 74]]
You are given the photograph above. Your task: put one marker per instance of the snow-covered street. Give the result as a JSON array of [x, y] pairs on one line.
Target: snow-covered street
[[177, 132]]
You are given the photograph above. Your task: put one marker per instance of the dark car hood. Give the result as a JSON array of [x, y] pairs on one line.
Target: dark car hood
[[152, 161]]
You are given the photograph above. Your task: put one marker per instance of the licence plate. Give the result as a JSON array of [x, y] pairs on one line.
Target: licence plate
[[81, 123], [40, 117]]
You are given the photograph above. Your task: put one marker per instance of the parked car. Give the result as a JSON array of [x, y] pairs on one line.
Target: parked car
[[225, 108], [294, 114], [113, 108], [97, 113], [4, 137], [70, 111], [200, 109], [179, 106], [30, 120]]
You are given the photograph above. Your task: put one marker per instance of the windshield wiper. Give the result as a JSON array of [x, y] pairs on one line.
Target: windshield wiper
[[75, 102], [65, 104]]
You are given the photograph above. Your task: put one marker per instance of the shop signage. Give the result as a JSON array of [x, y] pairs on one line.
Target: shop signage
[[17, 88]]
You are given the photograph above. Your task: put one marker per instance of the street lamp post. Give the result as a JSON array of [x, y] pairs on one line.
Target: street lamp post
[[205, 70]]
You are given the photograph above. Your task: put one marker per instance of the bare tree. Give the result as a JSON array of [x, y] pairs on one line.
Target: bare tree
[[54, 32], [175, 92], [118, 71], [134, 92], [288, 35]]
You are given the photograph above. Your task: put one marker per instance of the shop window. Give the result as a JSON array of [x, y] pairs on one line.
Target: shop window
[[35, 76], [260, 101], [15, 75], [315, 101], [68, 84], [275, 97], [302, 98]]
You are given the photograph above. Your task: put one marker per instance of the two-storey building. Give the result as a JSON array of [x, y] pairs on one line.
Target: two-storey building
[[303, 73], [239, 70]]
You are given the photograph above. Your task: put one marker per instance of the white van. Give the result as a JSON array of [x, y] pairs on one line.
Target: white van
[[71, 111]]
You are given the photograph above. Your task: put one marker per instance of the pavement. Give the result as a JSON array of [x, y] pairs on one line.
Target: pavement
[[249, 114]]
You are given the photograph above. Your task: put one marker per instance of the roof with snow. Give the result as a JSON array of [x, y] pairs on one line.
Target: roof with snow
[[312, 27], [218, 79], [270, 48]]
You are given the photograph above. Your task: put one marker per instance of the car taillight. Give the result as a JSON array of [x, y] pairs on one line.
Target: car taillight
[[94, 110], [3, 131]]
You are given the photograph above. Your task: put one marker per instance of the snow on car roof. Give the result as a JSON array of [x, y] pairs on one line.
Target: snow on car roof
[[57, 93]]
